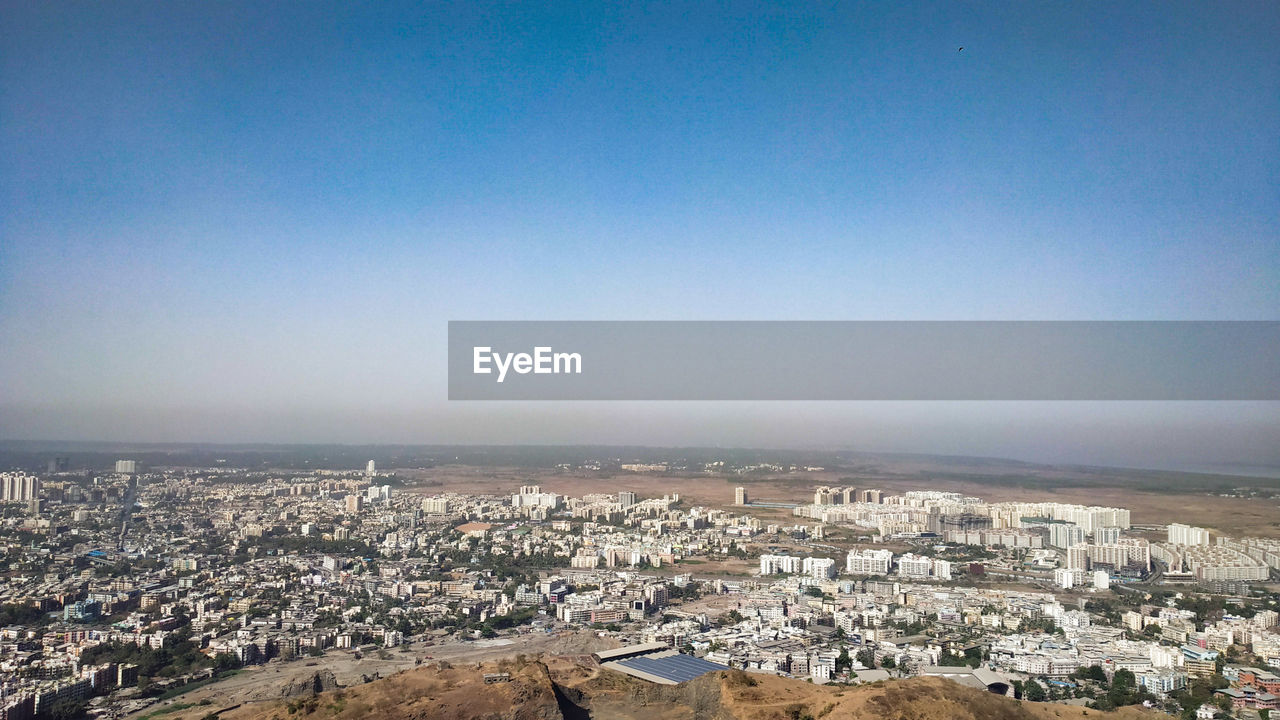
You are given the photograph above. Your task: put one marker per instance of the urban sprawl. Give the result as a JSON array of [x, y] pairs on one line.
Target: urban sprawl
[[122, 588]]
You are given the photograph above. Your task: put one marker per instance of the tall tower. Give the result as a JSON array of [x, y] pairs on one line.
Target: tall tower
[[739, 496]]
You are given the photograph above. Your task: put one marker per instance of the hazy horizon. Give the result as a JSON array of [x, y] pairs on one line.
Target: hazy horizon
[[251, 223]]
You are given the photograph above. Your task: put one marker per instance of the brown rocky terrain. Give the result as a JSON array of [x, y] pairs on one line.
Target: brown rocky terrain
[[574, 689]]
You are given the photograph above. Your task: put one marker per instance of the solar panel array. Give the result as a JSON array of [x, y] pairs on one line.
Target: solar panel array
[[676, 668]]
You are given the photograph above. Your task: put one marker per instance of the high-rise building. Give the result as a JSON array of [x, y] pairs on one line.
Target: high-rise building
[[370, 468], [916, 566], [1078, 557], [870, 496], [819, 568], [739, 496], [775, 564], [1106, 535], [61, 463], [127, 466], [435, 505], [355, 503], [868, 562], [626, 498], [1065, 535], [1180, 534], [532, 496], [19, 487]]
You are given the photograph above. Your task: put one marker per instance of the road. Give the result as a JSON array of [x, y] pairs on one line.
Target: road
[[126, 510]]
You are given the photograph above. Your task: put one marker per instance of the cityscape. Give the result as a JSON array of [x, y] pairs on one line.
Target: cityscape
[[130, 590], [745, 360]]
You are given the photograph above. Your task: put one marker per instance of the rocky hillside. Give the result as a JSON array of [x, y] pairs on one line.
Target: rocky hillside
[[560, 689]]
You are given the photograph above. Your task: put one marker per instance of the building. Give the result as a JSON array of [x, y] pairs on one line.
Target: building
[[370, 468], [1065, 535], [1078, 557], [780, 564], [1212, 563], [1106, 535], [834, 495], [355, 503], [819, 568], [1180, 534], [531, 496], [19, 487], [127, 466], [626, 498], [914, 566], [739, 496], [868, 562], [435, 506], [1199, 662]]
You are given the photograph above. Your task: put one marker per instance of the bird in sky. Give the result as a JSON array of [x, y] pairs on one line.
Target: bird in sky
[[960, 49]]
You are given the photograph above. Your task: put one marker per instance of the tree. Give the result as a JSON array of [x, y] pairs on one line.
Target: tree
[[1093, 672], [1033, 691], [66, 709], [843, 661], [867, 657], [225, 661]]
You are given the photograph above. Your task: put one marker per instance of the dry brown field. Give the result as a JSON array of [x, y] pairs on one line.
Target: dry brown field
[[1149, 505]]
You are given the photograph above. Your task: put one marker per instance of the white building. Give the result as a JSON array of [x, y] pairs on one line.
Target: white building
[[779, 564], [532, 496], [1180, 534], [1064, 535], [819, 568], [914, 566], [868, 562]]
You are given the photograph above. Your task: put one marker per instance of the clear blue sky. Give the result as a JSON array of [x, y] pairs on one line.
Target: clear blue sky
[[240, 221]]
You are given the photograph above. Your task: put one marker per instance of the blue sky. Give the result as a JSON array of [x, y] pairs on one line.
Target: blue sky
[[230, 219]]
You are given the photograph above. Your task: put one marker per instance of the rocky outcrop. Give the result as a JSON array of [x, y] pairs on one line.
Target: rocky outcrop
[[318, 682]]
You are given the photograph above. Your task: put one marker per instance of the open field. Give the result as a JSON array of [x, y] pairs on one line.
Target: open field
[[1183, 499]]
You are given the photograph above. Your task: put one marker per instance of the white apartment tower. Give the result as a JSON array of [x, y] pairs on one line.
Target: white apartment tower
[[1180, 534], [868, 562]]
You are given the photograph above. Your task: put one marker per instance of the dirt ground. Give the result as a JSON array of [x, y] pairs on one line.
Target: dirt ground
[[1225, 515], [260, 683]]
